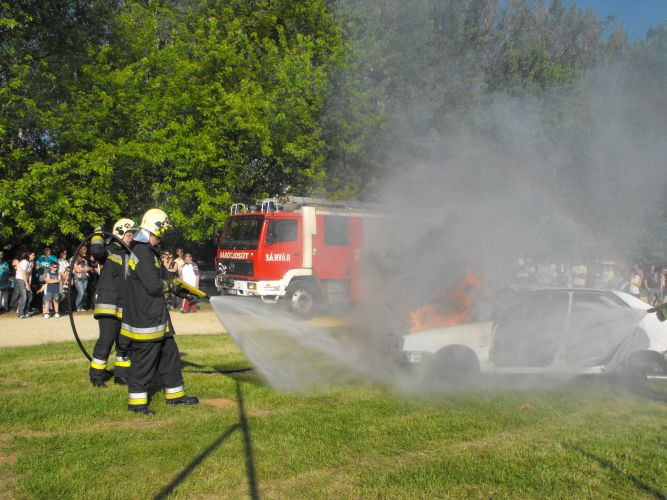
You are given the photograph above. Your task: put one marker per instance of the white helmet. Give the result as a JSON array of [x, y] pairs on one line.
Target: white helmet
[[122, 226], [155, 221]]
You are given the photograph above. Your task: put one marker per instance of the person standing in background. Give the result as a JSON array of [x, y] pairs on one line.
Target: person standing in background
[[4, 283], [52, 292], [22, 282], [62, 265], [81, 272], [190, 275], [42, 267], [652, 285], [171, 273], [179, 261], [636, 281], [64, 295]]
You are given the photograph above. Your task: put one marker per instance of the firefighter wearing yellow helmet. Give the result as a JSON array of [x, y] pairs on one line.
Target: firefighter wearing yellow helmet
[[109, 303], [145, 328]]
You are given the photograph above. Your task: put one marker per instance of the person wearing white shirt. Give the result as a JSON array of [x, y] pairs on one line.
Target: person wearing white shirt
[[22, 283], [189, 273]]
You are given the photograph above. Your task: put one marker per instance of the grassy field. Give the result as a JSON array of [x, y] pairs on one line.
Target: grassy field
[[61, 438]]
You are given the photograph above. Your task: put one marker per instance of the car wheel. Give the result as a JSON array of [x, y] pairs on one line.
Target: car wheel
[[300, 298], [456, 364]]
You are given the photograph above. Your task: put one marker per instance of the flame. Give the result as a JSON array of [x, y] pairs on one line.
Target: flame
[[446, 308]]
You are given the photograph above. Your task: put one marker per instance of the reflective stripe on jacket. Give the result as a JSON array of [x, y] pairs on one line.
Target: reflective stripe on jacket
[[111, 284]]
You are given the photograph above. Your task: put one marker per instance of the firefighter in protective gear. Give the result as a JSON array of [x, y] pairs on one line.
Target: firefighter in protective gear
[[146, 329], [109, 303]]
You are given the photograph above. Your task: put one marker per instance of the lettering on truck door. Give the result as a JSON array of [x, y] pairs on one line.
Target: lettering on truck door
[[282, 247]]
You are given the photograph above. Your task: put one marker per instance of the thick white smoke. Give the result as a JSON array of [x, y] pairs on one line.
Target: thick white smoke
[[577, 174]]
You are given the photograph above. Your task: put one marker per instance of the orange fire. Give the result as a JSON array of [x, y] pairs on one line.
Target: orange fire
[[446, 308]]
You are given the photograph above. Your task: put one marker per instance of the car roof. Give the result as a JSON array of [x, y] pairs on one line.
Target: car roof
[[629, 299]]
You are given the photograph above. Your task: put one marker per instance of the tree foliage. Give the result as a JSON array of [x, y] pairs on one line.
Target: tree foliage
[[182, 105], [109, 107]]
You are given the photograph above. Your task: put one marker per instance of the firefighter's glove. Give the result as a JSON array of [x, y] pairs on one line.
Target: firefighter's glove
[[166, 286], [180, 292]]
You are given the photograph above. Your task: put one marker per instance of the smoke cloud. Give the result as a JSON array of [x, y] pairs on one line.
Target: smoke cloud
[[576, 174]]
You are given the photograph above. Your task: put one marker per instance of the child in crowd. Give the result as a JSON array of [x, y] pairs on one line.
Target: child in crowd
[[52, 292]]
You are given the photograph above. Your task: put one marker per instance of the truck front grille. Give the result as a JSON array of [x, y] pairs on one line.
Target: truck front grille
[[238, 267]]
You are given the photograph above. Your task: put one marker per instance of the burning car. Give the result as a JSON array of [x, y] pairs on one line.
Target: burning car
[[558, 331]]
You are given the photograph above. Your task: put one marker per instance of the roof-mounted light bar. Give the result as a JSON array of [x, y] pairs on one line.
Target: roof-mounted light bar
[[238, 208]]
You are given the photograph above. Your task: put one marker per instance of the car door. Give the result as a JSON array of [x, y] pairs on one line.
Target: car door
[[529, 335], [599, 322]]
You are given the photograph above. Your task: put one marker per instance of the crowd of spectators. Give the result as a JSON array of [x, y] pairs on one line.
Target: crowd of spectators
[[181, 266], [31, 285], [649, 283]]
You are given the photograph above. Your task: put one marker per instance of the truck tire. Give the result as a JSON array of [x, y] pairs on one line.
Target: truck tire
[[301, 298], [456, 364]]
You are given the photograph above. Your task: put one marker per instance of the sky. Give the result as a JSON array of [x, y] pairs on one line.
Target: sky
[[637, 16]]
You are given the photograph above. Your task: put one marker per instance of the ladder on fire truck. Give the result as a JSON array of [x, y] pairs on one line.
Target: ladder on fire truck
[[292, 203]]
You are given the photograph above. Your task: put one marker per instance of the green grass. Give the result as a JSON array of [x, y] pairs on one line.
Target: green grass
[[61, 438]]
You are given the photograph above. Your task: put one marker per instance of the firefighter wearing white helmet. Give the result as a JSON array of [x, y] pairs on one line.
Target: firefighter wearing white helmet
[[109, 303], [145, 328]]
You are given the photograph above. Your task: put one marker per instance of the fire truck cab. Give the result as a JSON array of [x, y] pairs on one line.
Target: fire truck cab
[[300, 250]]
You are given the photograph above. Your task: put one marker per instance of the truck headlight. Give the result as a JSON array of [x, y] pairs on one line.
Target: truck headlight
[[252, 286]]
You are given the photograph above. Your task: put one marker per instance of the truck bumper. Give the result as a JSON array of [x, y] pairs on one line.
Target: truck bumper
[[264, 289]]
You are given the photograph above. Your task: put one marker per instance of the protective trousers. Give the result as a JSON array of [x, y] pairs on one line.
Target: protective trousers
[[109, 330], [147, 359]]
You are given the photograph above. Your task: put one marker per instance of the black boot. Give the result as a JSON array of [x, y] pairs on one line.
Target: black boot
[[142, 410], [184, 400]]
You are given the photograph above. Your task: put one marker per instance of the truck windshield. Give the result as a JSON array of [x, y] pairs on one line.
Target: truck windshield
[[242, 232]]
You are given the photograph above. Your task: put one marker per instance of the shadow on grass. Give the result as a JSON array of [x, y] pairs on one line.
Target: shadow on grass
[[167, 490], [611, 467], [242, 424], [241, 374]]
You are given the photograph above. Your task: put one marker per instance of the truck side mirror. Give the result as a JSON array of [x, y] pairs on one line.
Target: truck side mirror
[[216, 233]]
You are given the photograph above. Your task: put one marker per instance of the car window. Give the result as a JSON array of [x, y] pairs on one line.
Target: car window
[[336, 231], [281, 231], [529, 335]]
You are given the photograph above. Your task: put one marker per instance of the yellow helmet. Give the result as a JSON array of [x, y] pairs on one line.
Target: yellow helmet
[[122, 226], [155, 221]]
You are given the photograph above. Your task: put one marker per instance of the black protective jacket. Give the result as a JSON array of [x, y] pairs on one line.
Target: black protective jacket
[[145, 315], [111, 284]]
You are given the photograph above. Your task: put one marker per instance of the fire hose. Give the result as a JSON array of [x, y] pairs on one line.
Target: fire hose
[[70, 283], [176, 284]]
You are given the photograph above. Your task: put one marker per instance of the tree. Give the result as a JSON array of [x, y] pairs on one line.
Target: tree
[[183, 105]]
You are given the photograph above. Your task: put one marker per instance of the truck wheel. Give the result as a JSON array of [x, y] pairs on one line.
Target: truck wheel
[[456, 364], [300, 298]]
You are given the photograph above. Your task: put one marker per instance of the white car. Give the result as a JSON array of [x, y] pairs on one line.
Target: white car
[[564, 331]]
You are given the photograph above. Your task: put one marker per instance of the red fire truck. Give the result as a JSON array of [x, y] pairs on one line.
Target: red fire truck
[[300, 250]]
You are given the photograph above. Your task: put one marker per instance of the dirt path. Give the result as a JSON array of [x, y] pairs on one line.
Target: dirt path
[[37, 330]]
